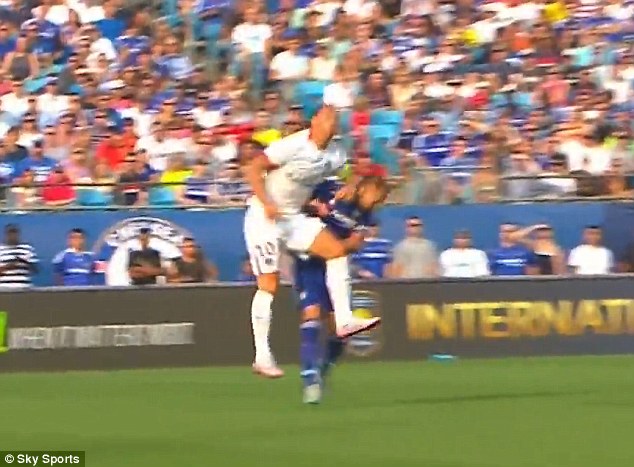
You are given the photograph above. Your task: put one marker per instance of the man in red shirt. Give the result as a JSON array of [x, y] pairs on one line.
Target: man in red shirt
[[112, 151]]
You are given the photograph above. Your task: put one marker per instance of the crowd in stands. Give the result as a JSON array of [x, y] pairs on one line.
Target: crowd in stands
[[158, 103]]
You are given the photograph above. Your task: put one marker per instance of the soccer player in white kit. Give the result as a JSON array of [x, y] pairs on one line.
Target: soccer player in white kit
[[282, 179]]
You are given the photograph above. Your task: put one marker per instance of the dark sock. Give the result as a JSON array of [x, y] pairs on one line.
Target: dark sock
[[334, 349]]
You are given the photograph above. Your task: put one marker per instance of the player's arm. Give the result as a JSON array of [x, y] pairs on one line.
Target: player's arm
[[254, 173]]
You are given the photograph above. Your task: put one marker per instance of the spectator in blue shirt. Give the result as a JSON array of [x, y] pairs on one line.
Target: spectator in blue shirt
[[74, 266], [433, 145], [511, 258], [38, 163], [371, 261], [7, 42]]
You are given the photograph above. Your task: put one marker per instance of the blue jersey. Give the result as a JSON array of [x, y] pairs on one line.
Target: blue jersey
[[75, 267], [310, 272], [510, 260], [375, 255]]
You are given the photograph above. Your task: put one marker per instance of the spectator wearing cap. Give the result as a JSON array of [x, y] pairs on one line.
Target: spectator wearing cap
[[58, 190], [462, 260], [38, 163], [373, 259], [197, 185], [415, 256], [111, 150], [591, 257]]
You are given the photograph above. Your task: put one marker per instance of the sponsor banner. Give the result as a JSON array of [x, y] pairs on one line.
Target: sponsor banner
[[108, 328]]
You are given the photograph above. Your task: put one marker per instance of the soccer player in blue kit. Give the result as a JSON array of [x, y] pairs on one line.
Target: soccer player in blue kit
[[346, 211]]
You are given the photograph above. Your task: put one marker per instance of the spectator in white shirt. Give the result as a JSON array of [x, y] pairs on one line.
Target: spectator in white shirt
[[158, 147], [249, 39], [462, 260], [342, 92], [591, 257], [288, 67], [322, 67]]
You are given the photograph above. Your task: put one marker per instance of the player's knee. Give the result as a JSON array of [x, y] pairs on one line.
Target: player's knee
[[326, 246], [268, 282], [311, 313]]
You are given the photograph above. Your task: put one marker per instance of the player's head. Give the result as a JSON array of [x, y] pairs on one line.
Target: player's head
[[323, 126], [76, 239], [371, 191]]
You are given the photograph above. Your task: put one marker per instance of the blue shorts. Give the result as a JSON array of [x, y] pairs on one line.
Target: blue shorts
[[310, 283]]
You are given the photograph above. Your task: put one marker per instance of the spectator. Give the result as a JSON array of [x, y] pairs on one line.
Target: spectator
[[18, 261], [197, 185], [591, 257], [375, 256], [415, 256], [191, 267], [20, 64], [246, 271], [511, 258], [130, 184], [463, 260], [40, 165], [74, 266], [58, 190], [144, 264], [288, 67], [548, 256], [322, 66], [25, 193]]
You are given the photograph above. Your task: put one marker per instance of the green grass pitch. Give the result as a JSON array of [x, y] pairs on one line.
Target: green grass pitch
[[542, 412]]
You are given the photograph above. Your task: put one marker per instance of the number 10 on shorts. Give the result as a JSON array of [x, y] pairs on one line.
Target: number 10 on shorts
[[4, 334]]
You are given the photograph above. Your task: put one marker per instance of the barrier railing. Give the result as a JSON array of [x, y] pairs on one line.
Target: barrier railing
[[163, 195]]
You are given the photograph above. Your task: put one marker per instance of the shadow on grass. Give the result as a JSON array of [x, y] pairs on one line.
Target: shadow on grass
[[489, 397]]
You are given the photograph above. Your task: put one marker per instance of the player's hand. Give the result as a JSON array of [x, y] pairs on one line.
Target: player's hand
[[363, 274], [270, 210], [345, 192]]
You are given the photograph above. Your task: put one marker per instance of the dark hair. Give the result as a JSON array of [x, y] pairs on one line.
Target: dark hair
[[78, 230]]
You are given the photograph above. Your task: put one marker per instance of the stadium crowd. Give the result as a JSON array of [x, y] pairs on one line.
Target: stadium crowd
[[157, 103]]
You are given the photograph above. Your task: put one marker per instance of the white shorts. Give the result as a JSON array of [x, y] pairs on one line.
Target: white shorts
[[299, 231], [262, 238]]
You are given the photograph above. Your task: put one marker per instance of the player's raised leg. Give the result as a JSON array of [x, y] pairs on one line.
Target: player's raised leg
[[335, 252], [263, 247]]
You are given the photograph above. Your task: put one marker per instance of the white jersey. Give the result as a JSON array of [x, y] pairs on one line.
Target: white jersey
[[301, 166]]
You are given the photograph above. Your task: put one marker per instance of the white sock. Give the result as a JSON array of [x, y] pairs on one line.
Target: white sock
[[338, 283], [261, 324]]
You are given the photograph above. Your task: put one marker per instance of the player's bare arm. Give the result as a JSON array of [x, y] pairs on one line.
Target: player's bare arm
[[254, 174]]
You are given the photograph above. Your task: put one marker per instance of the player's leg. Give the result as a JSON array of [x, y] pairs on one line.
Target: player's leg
[[263, 247], [308, 280], [334, 347], [335, 253]]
